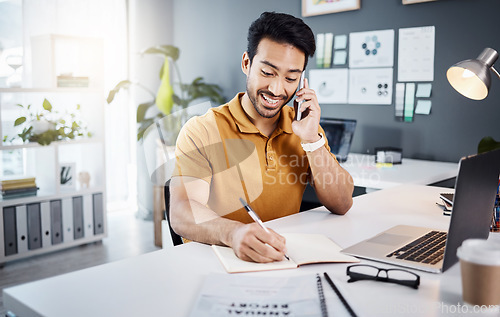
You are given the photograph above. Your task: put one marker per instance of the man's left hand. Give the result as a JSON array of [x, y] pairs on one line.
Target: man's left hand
[[307, 128]]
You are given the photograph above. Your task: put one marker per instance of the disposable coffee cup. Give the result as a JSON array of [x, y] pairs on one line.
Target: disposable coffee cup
[[480, 269]]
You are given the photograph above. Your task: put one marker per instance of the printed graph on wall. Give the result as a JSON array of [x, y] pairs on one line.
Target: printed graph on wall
[[317, 7]]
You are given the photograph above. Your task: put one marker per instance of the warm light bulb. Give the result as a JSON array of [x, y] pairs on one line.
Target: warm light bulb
[[468, 74]]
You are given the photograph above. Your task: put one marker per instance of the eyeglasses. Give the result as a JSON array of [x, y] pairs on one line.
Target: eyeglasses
[[361, 272]]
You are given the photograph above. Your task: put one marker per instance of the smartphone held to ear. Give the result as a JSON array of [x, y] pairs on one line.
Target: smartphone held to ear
[[301, 85]]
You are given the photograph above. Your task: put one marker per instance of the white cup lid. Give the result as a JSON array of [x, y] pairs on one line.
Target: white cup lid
[[484, 252]]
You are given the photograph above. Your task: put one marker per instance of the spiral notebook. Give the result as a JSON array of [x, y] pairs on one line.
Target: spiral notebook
[[241, 295]]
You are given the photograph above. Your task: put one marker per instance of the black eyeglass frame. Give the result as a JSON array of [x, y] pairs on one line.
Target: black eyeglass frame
[[355, 276]]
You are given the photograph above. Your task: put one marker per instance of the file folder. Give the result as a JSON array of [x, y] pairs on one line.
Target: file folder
[[45, 223], [9, 230], [67, 219], [78, 229], [98, 214], [22, 229], [56, 227], [34, 226], [88, 216]]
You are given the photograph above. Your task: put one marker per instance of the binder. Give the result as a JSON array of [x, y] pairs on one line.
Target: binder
[[56, 227], [34, 226], [78, 227], [88, 216], [9, 230], [45, 223], [22, 229], [98, 214], [67, 219]]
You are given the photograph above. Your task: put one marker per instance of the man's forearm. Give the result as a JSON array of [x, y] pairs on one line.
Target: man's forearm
[[333, 184], [196, 222]]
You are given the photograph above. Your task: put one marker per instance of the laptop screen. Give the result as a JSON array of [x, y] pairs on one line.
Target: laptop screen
[[339, 133]]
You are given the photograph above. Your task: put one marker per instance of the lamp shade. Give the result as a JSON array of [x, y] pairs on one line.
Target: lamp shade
[[471, 77]]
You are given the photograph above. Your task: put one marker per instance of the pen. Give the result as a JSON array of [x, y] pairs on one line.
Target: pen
[[256, 218], [339, 294]]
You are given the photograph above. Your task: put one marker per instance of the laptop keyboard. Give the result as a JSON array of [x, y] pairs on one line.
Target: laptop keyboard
[[429, 248]]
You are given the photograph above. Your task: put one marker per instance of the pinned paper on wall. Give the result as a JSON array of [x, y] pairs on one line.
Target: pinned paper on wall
[[371, 49], [320, 49], [423, 107], [330, 85], [416, 54], [339, 58], [409, 102], [370, 86], [327, 57], [399, 101], [424, 90], [340, 42]]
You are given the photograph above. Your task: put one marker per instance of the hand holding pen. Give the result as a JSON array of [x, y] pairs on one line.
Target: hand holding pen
[[258, 221]]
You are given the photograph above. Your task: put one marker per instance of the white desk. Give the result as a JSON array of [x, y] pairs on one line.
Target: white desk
[[363, 169], [166, 282]]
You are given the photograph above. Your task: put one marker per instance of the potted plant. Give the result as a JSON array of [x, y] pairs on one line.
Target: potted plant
[[49, 125], [167, 108], [169, 97]]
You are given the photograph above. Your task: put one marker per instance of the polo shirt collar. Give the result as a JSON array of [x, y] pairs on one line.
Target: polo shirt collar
[[246, 126]]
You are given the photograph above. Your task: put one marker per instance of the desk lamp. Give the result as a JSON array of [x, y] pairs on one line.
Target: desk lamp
[[471, 78]]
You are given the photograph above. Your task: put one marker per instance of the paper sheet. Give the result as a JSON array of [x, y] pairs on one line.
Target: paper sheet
[[423, 107], [320, 49], [409, 102], [416, 54], [339, 58], [340, 42], [330, 85], [327, 58], [424, 90], [371, 49], [399, 101], [228, 295], [370, 86]]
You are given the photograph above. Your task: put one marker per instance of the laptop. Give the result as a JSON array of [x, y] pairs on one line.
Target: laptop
[[433, 250], [339, 133]]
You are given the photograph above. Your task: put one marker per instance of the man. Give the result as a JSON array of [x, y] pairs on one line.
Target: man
[[253, 148]]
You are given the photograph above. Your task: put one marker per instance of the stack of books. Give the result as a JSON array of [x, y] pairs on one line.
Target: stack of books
[[18, 187], [71, 81]]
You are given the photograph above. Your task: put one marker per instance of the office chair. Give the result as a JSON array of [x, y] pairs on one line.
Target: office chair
[[176, 239]]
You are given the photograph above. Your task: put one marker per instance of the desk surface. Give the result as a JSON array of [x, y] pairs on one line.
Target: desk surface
[[363, 169], [166, 282]]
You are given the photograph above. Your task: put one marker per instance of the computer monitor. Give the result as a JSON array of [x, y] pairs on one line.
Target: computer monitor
[[339, 133]]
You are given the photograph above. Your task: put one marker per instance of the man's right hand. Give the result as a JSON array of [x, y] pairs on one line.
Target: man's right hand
[[251, 242]]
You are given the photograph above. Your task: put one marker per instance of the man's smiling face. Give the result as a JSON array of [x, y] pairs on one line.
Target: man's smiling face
[[273, 76]]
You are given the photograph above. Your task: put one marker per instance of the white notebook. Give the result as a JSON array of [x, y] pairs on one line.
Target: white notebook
[[301, 249]]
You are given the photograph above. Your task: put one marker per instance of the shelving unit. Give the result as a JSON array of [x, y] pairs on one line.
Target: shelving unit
[[59, 216]]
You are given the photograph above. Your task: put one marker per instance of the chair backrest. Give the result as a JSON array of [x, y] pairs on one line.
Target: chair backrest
[[176, 239]]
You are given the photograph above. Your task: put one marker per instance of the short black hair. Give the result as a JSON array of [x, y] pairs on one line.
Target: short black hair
[[281, 28]]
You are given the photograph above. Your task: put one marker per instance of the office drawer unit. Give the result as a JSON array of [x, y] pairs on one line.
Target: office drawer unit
[[37, 227]]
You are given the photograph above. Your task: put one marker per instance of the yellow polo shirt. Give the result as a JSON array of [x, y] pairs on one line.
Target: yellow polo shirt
[[224, 148]]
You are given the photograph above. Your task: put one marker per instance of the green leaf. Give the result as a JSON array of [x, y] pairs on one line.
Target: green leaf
[[20, 105], [166, 50], [487, 144], [19, 121], [124, 84], [142, 109], [78, 107], [46, 105], [176, 99]]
